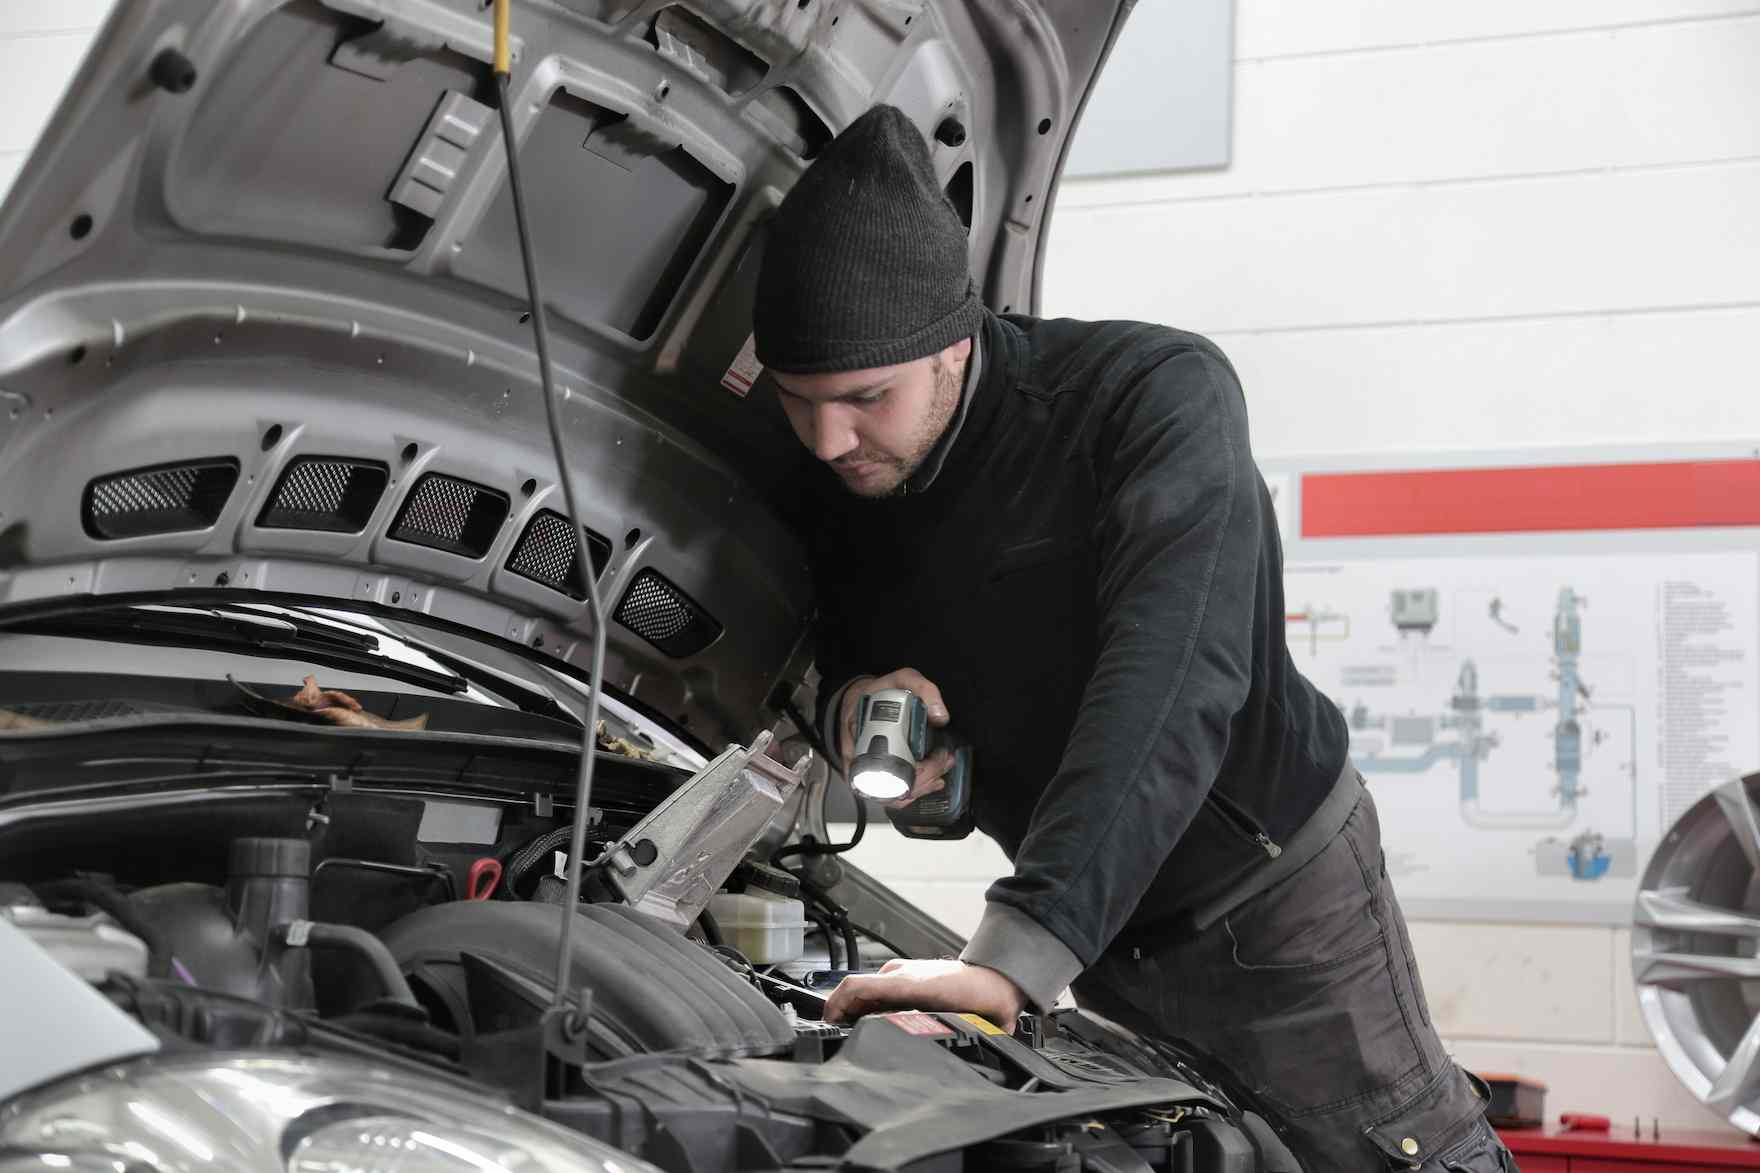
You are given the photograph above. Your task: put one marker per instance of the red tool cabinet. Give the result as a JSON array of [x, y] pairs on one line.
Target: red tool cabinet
[[1551, 1150]]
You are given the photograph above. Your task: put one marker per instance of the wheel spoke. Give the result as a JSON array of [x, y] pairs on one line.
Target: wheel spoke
[[1668, 969], [1671, 909], [1735, 1084], [1744, 820]]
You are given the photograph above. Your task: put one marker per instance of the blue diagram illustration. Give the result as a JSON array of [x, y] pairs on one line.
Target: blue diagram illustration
[[1467, 735]]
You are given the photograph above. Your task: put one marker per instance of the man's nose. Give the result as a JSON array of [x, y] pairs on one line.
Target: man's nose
[[832, 434]]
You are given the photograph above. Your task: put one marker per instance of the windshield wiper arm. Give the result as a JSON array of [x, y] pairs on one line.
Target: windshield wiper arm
[[530, 698]]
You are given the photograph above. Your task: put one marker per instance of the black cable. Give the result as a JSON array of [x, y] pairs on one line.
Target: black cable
[[532, 853], [582, 563], [393, 986], [433, 872], [810, 846], [823, 924], [821, 907], [838, 916], [807, 730], [828, 914], [852, 948], [711, 929], [106, 898], [876, 937], [735, 959]]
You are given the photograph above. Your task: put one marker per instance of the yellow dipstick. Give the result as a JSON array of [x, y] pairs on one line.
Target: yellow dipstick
[[503, 55]]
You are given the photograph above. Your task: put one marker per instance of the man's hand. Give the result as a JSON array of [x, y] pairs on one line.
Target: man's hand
[[929, 772], [928, 985]]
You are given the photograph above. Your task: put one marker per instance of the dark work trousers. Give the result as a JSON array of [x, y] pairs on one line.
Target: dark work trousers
[[1307, 995]]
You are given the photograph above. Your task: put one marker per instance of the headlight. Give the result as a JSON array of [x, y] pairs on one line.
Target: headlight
[[260, 1113]]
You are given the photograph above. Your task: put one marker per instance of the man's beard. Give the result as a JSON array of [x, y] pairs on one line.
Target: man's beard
[[890, 472]]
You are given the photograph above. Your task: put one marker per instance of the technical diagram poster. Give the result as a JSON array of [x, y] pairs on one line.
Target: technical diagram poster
[[1530, 725]]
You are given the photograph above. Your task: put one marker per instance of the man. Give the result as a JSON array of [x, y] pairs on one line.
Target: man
[[1054, 533]]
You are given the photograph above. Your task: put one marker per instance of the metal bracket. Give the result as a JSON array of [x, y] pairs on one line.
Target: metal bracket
[[565, 1029], [673, 861], [531, 1054], [440, 153], [378, 54], [464, 29]]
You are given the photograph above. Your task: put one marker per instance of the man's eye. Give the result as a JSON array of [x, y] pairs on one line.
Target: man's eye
[[870, 398]]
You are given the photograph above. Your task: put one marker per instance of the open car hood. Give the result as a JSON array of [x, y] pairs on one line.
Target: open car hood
[[262, 318]]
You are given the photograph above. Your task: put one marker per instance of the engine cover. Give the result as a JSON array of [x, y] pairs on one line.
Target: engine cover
[[652, 989]]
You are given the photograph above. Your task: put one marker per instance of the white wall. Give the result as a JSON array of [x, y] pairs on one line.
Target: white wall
[[40, 47], [1460, 225], [1497, 223]]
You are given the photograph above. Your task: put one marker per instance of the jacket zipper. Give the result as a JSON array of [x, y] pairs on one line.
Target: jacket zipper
[[1239, 820]]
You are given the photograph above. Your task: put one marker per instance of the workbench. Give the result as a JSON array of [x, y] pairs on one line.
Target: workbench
[[1554, 1150]]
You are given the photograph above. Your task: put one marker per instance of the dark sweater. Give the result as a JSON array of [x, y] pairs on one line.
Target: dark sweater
[[1095, 582]]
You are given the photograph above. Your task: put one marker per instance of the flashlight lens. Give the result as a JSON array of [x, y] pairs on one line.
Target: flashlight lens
[[880, 784]]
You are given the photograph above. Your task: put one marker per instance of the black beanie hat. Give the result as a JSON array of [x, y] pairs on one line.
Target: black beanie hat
[[866, 264]]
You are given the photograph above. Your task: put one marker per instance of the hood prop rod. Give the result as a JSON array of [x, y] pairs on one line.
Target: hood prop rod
[[572, 1024]]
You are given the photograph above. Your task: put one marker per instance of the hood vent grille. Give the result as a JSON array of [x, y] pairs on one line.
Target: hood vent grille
[[162, 499], [548, 553], [666, 617], [449, 514], [326, 493]]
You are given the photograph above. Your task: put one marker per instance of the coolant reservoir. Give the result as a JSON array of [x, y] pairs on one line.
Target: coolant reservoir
[[767, 928]]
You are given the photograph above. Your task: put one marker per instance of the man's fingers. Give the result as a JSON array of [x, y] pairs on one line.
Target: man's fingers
[[927, 693], [846, 723], [921, 685], [926, 985], [856, 996], [919, 790], [861, 686], [868, 993], [931, 777], [837, 1006], [937, 765]]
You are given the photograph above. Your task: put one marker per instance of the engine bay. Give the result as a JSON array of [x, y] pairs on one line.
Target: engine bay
[[350, 914]]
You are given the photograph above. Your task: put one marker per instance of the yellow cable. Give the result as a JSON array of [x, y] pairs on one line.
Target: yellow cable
[[503, 55]]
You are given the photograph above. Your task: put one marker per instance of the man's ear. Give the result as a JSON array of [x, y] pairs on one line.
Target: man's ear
[[958, 352]]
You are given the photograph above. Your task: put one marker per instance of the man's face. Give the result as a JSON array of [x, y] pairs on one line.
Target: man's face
[[875, 427]]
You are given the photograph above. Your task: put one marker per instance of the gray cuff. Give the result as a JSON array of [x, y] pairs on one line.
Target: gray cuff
[[1023, 951]]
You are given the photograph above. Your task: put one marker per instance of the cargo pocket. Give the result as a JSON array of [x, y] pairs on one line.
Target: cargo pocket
[[1321, 916], [1442, 1127], [1314, 1020]]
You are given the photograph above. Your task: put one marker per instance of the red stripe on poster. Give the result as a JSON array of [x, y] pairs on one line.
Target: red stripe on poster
[[1571, 497]]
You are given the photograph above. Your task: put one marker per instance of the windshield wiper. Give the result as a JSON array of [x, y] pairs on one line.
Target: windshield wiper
[[529, 698], [248, 632]]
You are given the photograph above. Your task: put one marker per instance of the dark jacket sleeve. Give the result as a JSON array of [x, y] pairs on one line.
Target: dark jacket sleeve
[[1178, 537]]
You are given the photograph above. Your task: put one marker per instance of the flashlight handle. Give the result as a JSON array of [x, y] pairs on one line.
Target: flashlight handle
[[896, 707], [945, 813]]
